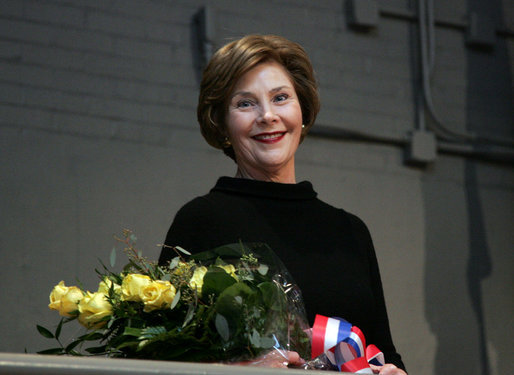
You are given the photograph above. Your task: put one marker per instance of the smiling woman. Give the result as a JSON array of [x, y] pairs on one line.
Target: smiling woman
[[264, 124], [234, 60], [258, 99]]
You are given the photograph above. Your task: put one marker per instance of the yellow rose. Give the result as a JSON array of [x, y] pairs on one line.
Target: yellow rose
[[92, 308], [157, 295], [230, 269], [105, 285], [65, 299], [196, 281], [132, 286]]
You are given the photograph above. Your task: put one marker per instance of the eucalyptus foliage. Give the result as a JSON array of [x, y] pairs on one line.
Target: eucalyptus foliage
[[233, 317]]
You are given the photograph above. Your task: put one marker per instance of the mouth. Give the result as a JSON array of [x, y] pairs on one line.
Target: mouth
[[269, 137]]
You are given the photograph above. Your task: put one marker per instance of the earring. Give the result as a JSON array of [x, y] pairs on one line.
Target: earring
[[226, 143], [303, 126]]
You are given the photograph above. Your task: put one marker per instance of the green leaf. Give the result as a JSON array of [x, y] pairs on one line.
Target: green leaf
[[222, 327], [142, 344], [255, 339], [182, 250], [271, 295], [72, 345], [133, 237], [174, 262], [44, 332], [131, 331], [189, 315], [127, 344], [96, 349], [58, 329], [92, 336], [52, 351], [267, 342], [175, 300], [112, 258], [226, 252], [215, 281], [152, 332], [227, 306], [263, 269]]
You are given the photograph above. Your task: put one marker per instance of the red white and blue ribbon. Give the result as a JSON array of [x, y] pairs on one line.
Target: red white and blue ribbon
[[344, 345]]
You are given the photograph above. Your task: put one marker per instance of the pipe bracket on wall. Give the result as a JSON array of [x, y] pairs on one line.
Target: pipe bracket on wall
[[481, 31], [422, 148], [362, 14], [205, 20]]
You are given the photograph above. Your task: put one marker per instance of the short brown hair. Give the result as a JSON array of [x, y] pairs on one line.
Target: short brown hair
[[236, 58]]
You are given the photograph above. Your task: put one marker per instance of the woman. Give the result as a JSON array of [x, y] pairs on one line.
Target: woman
[[258, 99]]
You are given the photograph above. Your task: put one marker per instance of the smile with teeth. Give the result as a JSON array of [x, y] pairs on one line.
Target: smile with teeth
[[269, 137]]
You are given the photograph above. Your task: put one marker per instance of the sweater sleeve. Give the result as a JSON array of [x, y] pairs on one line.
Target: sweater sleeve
[[381, 334]]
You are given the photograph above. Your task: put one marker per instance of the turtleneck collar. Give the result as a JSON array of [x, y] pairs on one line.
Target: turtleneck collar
[[300, 191]]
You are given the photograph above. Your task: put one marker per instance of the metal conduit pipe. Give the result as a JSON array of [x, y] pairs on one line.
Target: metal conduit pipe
[[498, 155], [332, 132], [431, 37], [425, 12], [407, 15], [450, 142], [489, 153], [436, 125]]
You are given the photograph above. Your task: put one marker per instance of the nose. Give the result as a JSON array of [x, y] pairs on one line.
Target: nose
[[267, 115]]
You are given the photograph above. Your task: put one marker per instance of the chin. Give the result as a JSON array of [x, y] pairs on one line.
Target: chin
[[273, 163]]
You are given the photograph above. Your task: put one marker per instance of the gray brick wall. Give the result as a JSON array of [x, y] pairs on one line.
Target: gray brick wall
[[134, 63], [98, 132]]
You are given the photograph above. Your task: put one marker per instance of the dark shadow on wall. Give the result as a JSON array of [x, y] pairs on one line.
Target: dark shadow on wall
[[448, 302], [479, 263], [489, 111], [458, 257]]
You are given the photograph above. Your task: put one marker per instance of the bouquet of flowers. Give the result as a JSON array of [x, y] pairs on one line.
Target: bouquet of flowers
[[232, 303]]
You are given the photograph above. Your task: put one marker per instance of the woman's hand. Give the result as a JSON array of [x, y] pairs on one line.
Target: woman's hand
[[275, 358], [387, 369]]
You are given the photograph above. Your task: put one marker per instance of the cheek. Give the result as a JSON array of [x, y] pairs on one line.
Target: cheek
[[295, 119], [239, 124], [300, 114]]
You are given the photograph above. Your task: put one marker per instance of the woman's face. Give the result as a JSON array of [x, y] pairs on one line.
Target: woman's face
[[264, 122]]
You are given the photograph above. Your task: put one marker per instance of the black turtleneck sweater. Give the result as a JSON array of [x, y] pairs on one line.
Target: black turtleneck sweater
[[328, 251]]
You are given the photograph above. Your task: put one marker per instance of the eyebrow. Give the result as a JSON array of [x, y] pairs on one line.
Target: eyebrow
[[245, 93]]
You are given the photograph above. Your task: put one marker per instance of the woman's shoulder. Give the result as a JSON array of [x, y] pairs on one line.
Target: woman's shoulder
[[356, 222], [327, 208], [198, 207], [350, 220], [209, 208]]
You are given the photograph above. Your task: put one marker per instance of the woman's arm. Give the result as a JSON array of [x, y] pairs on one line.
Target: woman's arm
[[381, 334], [387, 369]]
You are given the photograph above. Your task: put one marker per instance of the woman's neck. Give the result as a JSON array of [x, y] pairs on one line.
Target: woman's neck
[[282, 176]]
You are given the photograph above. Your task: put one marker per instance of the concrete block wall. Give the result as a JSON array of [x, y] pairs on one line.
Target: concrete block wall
[[98, 132]]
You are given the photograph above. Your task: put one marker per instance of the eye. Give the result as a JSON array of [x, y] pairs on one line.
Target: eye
[[244, 103], [280, 97]]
